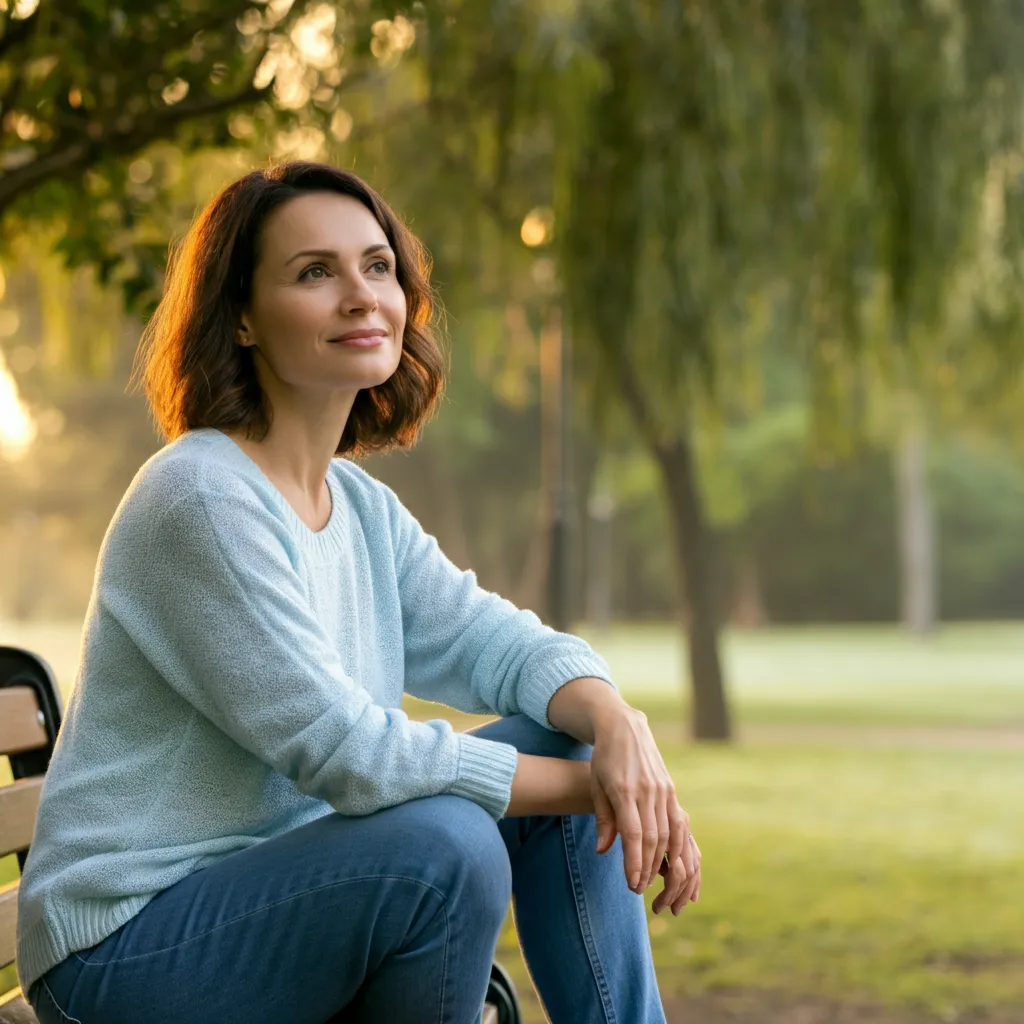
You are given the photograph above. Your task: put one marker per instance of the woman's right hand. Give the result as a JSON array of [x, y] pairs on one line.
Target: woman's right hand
[[680, 888]]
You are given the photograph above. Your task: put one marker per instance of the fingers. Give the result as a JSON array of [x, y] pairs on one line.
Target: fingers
[[627, 817], [658, 813], [653, 828], [689, 893], [676, 881], [605, 815], [680, 822], [689, 851], [681, 887]]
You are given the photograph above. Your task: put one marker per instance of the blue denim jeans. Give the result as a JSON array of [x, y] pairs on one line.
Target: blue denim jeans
[[390, 918]]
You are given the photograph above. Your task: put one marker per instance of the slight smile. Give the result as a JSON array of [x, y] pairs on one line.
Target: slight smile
[[371, 337]]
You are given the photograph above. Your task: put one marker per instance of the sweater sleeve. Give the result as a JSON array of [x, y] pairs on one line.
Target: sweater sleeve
[[210, 593], [471, 649]]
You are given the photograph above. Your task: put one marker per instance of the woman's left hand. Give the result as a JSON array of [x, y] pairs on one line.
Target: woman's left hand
[[634, 796]]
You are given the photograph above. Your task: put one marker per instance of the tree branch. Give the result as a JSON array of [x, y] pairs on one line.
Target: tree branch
[[77, 155]]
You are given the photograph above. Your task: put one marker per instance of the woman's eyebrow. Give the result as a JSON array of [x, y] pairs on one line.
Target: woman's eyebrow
[[330, 254]]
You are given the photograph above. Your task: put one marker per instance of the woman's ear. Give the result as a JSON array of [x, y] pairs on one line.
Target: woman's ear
[[243, 335]]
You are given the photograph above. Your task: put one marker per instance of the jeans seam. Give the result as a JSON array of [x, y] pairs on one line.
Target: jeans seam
[[66, 1018], [260, 910], [444, 965], [586, 932]]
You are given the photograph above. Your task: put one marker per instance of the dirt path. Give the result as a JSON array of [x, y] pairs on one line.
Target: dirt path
[[741, 1007]]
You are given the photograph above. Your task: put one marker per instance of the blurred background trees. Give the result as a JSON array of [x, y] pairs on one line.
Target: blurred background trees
[[771, 250]]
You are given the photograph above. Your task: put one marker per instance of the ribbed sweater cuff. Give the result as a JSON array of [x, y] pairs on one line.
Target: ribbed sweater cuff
[[485, 773], [541, 682]]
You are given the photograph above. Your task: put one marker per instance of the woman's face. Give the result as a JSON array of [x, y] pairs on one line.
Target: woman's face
[[327, 312]]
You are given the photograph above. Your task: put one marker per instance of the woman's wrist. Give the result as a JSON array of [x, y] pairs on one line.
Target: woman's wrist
[[584, 706]]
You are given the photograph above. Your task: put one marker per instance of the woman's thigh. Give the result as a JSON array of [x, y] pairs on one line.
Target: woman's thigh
[[291, 928]]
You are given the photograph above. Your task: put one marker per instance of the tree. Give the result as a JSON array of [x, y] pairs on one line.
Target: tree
[[857, 167], [838, 158], [86, 85]]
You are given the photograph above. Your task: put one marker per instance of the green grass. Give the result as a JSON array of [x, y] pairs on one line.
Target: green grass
[[881, 875], [963, 675], [890, 873], [853, 875]]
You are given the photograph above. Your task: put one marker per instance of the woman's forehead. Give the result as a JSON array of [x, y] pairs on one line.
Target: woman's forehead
[[323, 220]]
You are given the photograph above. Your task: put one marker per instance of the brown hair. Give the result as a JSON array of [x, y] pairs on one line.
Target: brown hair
[[196, 375]]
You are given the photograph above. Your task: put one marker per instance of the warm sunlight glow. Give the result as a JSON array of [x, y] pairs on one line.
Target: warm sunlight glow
[[175, 92], [538, 227], [313, 36], [17, 429], [391, 38]]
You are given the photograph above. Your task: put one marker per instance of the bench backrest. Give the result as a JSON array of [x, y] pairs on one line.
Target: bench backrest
[[30, 716]]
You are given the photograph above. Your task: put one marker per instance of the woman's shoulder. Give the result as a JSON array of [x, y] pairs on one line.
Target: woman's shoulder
[[201, 474], [357, 482], [200, 463], [363, 490]]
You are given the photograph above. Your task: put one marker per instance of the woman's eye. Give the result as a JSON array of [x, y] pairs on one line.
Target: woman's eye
[[380, 267], [316, 272]]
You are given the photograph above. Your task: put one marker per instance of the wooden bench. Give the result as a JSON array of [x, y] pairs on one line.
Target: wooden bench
[[30, 716]]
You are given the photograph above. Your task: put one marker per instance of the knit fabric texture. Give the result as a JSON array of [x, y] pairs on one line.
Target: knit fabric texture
[[242, 675]]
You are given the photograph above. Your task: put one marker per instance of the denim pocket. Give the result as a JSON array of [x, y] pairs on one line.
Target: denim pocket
[[46, 1007]]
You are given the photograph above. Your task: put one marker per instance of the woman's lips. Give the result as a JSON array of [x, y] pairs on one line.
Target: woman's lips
[[361, 339]]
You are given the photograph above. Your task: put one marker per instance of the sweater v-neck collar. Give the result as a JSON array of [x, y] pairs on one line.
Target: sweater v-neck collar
[[330, 538]]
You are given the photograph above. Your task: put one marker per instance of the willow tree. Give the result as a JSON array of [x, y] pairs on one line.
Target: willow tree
[[838, 159]]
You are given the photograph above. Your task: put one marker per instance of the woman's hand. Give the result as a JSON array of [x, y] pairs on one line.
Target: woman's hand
[[680, 888], [634, 796]]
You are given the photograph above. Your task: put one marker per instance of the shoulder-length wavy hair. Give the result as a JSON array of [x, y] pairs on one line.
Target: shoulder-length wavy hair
[[189, 364]]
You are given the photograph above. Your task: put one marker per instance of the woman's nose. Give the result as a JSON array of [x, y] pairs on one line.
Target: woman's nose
[[357, 296]]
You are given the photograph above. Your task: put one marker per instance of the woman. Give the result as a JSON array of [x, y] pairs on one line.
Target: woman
[[239, 823]]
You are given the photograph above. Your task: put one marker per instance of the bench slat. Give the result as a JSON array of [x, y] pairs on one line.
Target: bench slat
[[18, 804], [20, 728], [8, 922], [490, 1014], [14, 1009]]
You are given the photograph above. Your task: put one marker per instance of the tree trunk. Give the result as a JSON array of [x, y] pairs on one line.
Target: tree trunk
[[694, 563], [918, 580]]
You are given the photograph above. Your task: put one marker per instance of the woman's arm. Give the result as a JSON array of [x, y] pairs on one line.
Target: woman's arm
[[203, 583], [550, 785], [468, 648]]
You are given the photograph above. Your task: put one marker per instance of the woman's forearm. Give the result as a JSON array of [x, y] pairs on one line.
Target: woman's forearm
[[578, 707], [550, 785]]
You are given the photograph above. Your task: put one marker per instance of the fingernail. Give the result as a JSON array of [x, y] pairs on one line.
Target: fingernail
[[634, 880]]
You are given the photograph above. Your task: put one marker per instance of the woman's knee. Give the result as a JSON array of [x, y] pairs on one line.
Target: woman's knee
[[467, 856]]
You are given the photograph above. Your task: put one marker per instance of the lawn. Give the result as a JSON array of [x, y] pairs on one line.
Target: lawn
[[863, 842]]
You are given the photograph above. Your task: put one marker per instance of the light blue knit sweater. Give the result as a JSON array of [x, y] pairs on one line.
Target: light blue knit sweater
[[242, 675]]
